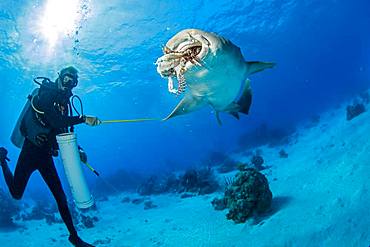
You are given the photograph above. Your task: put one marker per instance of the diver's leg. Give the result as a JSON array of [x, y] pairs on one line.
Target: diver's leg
[[50, 175], [51, 178], [25, 167]]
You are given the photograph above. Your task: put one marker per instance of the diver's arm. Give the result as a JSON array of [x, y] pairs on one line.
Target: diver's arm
[[53, 117], [3, 156]]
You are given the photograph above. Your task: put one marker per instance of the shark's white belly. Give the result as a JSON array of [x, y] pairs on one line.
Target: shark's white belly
[[221, 79]]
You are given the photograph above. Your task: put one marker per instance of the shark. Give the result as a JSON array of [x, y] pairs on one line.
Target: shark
[[207, 69]]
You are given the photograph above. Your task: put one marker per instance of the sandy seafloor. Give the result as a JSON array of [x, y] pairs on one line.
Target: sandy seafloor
[[321, 198]]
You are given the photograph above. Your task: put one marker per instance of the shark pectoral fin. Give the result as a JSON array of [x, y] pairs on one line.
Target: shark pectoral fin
[[188, 104], [245, 99], [254, 67]]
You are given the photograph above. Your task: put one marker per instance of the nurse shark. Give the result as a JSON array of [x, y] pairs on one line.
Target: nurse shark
[[208, 70]]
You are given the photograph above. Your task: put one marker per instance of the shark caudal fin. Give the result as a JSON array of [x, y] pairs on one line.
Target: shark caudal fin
[[188, 104], [254, 67]]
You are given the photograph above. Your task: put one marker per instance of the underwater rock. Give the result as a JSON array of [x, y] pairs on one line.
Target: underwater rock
[[283, 154], [137, 201], [149, 205], [83, 218], [354, 110], [103, 241], [88, 221], [200, 181], [125, 200], [219, 204], [43, 210], [248, 194], [186, 195], [8, 210]]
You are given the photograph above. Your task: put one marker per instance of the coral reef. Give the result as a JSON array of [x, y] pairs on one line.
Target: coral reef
[[199, 181], [85, 218], [88, 221], [283, 154], [8, 210], [354, 110], [249, 193], [186, 195], [43, 210]]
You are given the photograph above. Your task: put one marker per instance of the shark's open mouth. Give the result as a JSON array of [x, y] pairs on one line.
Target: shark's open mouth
[[175, 62]]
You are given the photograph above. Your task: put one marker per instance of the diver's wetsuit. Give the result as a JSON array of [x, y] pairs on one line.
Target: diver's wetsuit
[[38, 155]]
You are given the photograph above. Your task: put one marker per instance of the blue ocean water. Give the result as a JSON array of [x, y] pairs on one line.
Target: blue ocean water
[[321, 49]]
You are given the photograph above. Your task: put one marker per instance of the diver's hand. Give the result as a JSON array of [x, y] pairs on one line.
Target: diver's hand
[[83, 156], [3, 155], [92, 121]]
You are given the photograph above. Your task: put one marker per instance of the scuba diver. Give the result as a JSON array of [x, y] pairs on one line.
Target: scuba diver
[[48, 117]]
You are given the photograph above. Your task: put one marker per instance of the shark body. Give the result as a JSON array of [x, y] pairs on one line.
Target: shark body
[[209, 70]]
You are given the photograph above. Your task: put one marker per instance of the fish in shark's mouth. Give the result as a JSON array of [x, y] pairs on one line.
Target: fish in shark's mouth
[[173, 64]]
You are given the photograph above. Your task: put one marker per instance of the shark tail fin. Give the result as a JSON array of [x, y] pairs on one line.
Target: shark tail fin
[[255, 66]]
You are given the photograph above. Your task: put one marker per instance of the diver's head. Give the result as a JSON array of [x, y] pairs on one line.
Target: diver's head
[[68, 78]]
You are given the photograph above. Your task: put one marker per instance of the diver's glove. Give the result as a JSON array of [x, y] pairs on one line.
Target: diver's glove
[[92, 121], [83, 155], [3, 155]]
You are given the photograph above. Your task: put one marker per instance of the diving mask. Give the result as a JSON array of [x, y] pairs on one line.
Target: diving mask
[[69, 80]]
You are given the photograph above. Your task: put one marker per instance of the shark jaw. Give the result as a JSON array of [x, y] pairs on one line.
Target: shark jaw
[[179, 56]]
